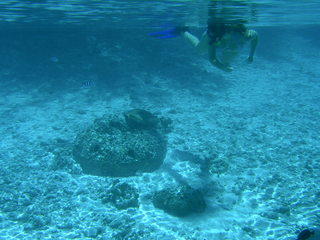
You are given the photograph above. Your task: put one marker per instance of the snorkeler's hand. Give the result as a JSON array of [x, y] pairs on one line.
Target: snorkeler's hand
[[227, 68], [220, 65]]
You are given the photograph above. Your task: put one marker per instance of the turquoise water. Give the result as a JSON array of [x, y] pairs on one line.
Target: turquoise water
[[124, 14], [239, 151]]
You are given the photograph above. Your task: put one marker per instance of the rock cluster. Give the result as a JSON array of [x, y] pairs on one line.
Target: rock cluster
[[118, 146]]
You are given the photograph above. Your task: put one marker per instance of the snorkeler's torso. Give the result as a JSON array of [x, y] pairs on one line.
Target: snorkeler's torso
[[227, 49], [230, 40]]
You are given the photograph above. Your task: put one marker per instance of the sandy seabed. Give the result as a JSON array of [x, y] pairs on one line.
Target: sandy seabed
[[260, 123]]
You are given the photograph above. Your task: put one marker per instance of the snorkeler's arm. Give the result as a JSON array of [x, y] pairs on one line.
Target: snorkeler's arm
[[215, 61], [253, 36]]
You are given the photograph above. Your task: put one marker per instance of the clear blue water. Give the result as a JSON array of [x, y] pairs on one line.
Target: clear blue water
[[125, 14], [248, 139]]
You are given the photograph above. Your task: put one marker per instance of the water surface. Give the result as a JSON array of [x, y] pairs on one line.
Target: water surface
[[137, 14]]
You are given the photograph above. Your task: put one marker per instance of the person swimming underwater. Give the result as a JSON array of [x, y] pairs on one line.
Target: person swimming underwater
[[224, 34]]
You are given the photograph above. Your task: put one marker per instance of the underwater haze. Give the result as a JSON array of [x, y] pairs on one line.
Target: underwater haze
[[113, 127]]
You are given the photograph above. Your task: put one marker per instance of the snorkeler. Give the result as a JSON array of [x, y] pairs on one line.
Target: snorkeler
[[225, 34]]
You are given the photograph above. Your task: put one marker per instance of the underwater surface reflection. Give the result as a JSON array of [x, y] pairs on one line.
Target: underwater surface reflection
[[126, 14]]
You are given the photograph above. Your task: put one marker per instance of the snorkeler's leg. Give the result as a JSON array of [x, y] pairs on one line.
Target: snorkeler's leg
[[253, 36], [200, 45], [193, 40]]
